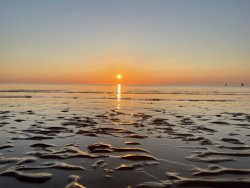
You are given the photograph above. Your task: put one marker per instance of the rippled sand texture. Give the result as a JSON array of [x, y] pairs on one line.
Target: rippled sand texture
[[87, 136]]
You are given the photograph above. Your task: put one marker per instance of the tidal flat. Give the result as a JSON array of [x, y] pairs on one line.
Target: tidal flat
[[94, 136]]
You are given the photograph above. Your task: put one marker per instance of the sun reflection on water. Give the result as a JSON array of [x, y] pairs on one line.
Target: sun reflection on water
[[118, 96]]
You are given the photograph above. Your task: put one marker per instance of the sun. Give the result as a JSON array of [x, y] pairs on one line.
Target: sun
[[119, 76]]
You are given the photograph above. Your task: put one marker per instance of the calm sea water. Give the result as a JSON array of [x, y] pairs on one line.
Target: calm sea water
[[190, 112], [105, 96]]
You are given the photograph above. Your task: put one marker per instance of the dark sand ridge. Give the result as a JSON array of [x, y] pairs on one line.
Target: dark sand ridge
[[175, 180]]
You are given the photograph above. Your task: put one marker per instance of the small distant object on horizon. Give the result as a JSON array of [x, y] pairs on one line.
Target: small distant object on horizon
[[242, 84]]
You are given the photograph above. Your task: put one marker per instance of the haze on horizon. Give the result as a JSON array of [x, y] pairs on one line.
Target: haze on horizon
[[148, 42]]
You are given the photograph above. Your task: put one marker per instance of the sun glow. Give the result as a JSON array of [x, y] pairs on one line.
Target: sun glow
[[119, 76]]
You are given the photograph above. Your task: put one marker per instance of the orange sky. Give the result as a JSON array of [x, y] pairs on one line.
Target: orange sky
[[103, 70]]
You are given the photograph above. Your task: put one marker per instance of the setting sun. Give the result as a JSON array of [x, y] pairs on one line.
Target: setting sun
[[119, 76]]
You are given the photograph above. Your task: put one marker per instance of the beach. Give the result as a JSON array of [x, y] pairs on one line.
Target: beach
[[124, 136]]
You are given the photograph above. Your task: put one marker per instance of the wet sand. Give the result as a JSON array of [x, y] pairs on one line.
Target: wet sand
[[86, 136]]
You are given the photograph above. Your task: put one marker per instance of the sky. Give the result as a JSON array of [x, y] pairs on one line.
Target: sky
[[147, 41]]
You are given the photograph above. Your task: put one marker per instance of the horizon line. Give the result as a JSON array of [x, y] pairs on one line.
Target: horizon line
[[149, 84]]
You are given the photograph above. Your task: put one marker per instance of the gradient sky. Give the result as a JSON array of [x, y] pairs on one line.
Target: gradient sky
[[156, 41]]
